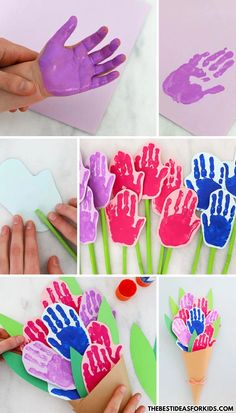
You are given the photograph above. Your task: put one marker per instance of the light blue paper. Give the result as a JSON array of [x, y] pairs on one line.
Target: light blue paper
[[22, 193]]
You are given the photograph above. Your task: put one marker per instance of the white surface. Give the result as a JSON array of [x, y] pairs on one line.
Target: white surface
[[133, 107], [25, 294], [182, 150], [59, 156], [220, 385]]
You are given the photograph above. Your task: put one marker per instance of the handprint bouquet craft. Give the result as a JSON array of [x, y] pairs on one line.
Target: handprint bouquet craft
[[72, 350], [194, 326]]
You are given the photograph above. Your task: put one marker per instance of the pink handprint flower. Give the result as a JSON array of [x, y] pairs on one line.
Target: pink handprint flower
[[149, 162], [84, 175], [123, 167], [58, 292], [195, 79], [124, 223], [181, 331], [101, 181], [36, 330], [205, 339], [88, 219], [100, 334]]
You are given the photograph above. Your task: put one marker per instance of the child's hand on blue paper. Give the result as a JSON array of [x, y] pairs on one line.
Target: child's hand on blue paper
[[64, 219], [116, 400], [8, 343]]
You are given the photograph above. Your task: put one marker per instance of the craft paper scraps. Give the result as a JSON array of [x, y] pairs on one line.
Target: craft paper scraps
[[207, 175], [149, 161], [230, 177], [123, 167], [124, 223], [22, 193], [179, 223], [58, 292], [173, 181], [88, 219], [217, 220], [90, 305], [101, 181], [84, 175]]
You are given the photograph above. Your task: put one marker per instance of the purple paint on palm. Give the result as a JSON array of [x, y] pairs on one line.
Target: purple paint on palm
[[90, 305], [101, 181], [84, 174], [70, 70], [88, 219], [45, 364], [186, 84]]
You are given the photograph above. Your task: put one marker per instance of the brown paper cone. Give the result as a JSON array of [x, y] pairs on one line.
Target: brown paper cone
[[196, 364], [98, 399]]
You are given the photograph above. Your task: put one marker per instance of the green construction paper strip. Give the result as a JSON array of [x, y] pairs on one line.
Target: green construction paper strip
[[181, 293], [13, 328], [56, 234], [209, 298], [191, 341], [168, 323], [173, 306], [155, 348], [144, 361], [216, 325], [106, 316], [14, 361], [76, 366], [73, 285]]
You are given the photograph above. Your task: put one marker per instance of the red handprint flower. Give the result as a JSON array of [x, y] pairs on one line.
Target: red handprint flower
[[36, 330], [205, 339], [183, 313], [122, 166], [58, 292], [149, 162], [178, 222], [173, 181], [100, 334], [123, 221]]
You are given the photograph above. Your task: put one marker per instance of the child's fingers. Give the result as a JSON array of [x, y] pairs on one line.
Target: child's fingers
[[11, 343], [17, 246], [67, 211], [141, 409], [116, 400], [15, 84], [31, 250], [132, 404], [4, 249], [54, 266], [73, 202], [65, 228]]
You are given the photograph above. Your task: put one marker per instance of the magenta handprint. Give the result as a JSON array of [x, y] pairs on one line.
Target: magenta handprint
[[149, 162], [187, 301], [88, 219], [100, 334], [58, 292], [126, 176], [101, 181], [197, 78], [76, 69], [36, 330], [181, 331], [183, 314], [205, 339], [178, 222], [84, 175], [90, 305], [122, 217], [212, 316], [202, 303]]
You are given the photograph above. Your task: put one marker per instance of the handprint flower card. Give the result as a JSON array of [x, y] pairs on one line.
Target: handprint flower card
[[194, 326], [197, 78]]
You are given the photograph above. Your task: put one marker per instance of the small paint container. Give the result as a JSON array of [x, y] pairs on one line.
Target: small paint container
[[126, 290], [144, 281]]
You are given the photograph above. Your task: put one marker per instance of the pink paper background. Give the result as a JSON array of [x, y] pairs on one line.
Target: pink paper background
[[32, 23], [190, 27]]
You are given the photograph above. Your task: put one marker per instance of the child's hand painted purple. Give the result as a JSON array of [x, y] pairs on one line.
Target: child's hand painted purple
[[84, 175], [186, 84], [88, 219], [101, 181], [70, 70]]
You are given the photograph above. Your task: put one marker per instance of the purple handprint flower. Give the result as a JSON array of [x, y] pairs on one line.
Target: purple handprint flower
[[185, 85], [84, 175], [101, 181], [88, 219], [90, 305]]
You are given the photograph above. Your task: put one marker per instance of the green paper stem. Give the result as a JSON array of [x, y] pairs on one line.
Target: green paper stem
[[211, 260], [148, 236], [216, 325], [73, 285], [230, 250], [106, 316], [197, 253], [167, 260], [76, 366], [93, 258], [181, 293], [124, 260], [56, 234], [173, 306], [105, 241], [191, 341], [161, 259], [209, 298], [12, 327], [168, 323], [139, 258]]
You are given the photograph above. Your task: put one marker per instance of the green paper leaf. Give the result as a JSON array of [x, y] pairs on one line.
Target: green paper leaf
[[209, 298], [76, 365], [191, 341], [155, 348], [144, 361], [14, 361], [73, 285], [168, 323], [105, 316], [13, 328], [216, 325], [173, 306], [181, 293]]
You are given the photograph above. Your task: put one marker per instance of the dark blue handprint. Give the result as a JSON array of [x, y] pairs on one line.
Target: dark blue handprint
[[66, 330], [196, 321], [207, 176], [64, 394], [230, 181], [180, 345], [218, 219]]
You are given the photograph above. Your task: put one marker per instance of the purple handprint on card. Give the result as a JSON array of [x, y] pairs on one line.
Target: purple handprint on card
[[84, 175], [101, 181], [181, 331], [90, 305], [186, 84], [88, 219]]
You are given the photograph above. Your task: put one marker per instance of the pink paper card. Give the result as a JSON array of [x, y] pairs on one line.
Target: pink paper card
[[198, 64], [32, 24]]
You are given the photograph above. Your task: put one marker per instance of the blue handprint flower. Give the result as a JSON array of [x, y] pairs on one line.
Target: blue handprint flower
[[63, 394], [66, 330], [217, 221], [196, 321], [230, 177], [207, 176]]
